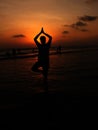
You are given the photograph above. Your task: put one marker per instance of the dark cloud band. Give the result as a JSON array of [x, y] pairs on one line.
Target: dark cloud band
[[88, 18], [65, 32], [19, 36], [91, 1]]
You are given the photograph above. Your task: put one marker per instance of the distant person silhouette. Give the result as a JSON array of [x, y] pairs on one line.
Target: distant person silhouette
[[59, 49], [43, 54]]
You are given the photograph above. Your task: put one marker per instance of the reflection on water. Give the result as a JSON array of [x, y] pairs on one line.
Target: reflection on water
[[65, 70]]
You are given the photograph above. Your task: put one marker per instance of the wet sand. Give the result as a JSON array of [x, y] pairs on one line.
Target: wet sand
[[72, 93], [19, 110]]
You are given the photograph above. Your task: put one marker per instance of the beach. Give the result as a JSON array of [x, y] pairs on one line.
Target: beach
[[72, 89]]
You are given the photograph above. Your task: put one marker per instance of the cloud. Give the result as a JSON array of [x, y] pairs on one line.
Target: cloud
[[65, 32], [66, 25], [82, 23], [91, 1], [19, 36], [88, 18], [84, 30], [77, 25]]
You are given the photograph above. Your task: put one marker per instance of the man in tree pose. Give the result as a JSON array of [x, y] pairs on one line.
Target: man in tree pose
[[43, 53]]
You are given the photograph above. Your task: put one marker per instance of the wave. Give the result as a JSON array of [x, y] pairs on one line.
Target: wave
[[14, 54]]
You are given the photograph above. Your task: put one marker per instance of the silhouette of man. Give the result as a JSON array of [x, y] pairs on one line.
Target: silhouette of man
[[43, 53], [59, 49]]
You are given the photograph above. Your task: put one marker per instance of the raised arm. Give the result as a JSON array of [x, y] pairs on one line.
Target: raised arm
[[36, 37], [50, 37], [42, 31]]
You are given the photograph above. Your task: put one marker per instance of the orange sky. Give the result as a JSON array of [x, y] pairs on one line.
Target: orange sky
[[67, 21]]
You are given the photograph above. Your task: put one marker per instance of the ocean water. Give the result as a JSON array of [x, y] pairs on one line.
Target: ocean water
[[73, 71], [72, 84]]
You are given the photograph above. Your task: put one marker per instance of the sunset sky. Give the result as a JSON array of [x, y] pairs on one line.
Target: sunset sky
[[70, 22]]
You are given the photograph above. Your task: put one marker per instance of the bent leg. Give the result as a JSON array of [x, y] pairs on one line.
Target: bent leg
[[35, 67]]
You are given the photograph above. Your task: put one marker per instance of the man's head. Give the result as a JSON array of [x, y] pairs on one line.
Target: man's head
[[43, 40]]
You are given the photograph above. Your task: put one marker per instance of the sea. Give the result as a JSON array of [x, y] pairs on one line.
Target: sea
[[75, 68], [72, 83]]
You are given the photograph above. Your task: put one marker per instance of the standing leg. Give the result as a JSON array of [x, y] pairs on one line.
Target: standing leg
[[45, 72], [45, 75]]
